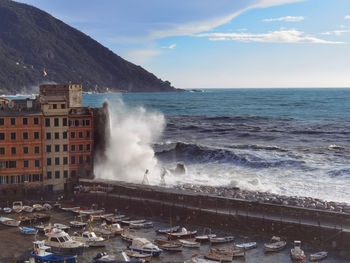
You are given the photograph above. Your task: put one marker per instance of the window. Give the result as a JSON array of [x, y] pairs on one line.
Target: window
[[4, 164], [56, 120], [57, 148], [25, 163], [63, 106], [25, 121], [88, 159], [80, 147], [36, 121], [57, 135], [2, 121], [36, 135], [65, 174], [13, 121], [76, 123], [13, 136], [25, 178], [54, 239], [48, 136], [87, 122], [48, 148], [72, 160], [64, 121], [37, 163], [25, 136], [2, 136], [4, 179], [14, 179], [13, 150], [12, 164], [57, 161], [80, 159], [72, 135], [73, 173], [2, 150], [88, 147], [36, 149], [49, 175], [65, 147], [55, 106], [48, 161], [87, 134], [80, 134], [37, 177], [57, 174], [65, 160], [25, 149], [64, 135], [47, 122], [72, 147]]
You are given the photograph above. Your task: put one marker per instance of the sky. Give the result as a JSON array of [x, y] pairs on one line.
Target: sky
[[198, 44]]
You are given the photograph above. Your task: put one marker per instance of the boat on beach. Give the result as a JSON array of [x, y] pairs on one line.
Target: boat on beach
[[218, 257], [189, 243], [221, 240], [232, 251], [42, 254], [61, 227], [168, 245], [128, 222], [141, 225], [144, 246], [28, 209], [47, 207], [246, 246], [183, 234], [318, 256], [168, 230], [296, 252], [196, 259], [103, 257], [90, 239], [38, 207], [137, 255], [9, 221], [61, 242], [205, 238], [77, 224], [276, 244], [127, 237], [17, 206], [7, 210], [28, 231]]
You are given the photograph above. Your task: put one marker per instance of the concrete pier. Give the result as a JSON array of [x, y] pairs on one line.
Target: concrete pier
[[319, 228]]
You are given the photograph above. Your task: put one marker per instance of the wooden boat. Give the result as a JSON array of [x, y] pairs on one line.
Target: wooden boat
[[318, 256], [168, 230], [246, 246], [183, 234], [276, 244], [99, 216], [103, 257], [91, 212], [90, 239], [141, 225], [127, 237], [9, 221], [17, 206], [168, 245], [221, 240], [144, 246], [42, 254], [234, 252], [116, 229], [61, 242], [114, 218], [7, 210], [196, 259], [38, 207], [189, 243], [28, 209], [137, 255], [61, 227], [205, 238], [128, 222], [77, 224], [218, 257], [28, 231], [296, 252]]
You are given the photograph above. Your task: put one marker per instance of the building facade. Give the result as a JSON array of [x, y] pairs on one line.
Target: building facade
[[45, 142]]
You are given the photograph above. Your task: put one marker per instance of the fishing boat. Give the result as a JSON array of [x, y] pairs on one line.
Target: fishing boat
[[127, 237], [168, 230], [141, 225], [183, 234], [38, 207], [28, 231], [233, 252], [246, 246], [42, 254], [221, 240], [144, 246], [61, 242], [28, 209], [61, 227], [296, 252], [103, 231], [77, 224], [9, 221], [276, 244], [168, 245], [137, 255], [318, 256], [7, 210], [90, 239], [17, 206], [128, 222], [189, 243], [103, 257], [116, 229], [218, 257], [205, 238]]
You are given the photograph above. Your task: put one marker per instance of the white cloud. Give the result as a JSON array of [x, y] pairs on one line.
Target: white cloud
[[281, 36], [285, 19], [172, 46], [347, 17], [140, 56], [339, 32]]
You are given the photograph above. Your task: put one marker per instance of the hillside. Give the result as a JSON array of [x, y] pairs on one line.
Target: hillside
[[32, 41]]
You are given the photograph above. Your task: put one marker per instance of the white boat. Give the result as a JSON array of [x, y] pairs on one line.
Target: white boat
[[90, 239], [28, 231], [276, 244], [221, 240], [246, 246], [28, 209], [17, 206], [38, 207], [61, 242], [196, 259], [91, 212], [205, 238], [168, 245], [116, 229], [137, 255], [9, 221], [77, 224], [141, 225], [47, 207], [168, 230], [99, 216], [144, 246], [61, 227], [127, 237], [233, 252], [218, 257], [103, 257], [296, 252], [128, 222], [189, 243], [7, 210], [184, 233], [318, 256], [42, 254]]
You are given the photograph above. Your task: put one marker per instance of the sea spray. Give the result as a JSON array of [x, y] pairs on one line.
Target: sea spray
[[129, 151]]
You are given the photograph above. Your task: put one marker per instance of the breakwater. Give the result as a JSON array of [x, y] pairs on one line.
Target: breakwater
[[322, 229]]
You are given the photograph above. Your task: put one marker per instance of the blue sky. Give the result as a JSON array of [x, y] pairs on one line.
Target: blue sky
[[221, 43]]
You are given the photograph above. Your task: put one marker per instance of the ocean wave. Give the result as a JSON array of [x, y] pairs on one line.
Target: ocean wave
[[193, 153]]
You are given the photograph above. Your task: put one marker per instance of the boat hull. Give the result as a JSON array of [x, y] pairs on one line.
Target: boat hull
[[68, 250], [53, 259], [154, 253]]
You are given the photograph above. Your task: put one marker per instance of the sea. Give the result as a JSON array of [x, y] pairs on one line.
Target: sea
[[290, 141]]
